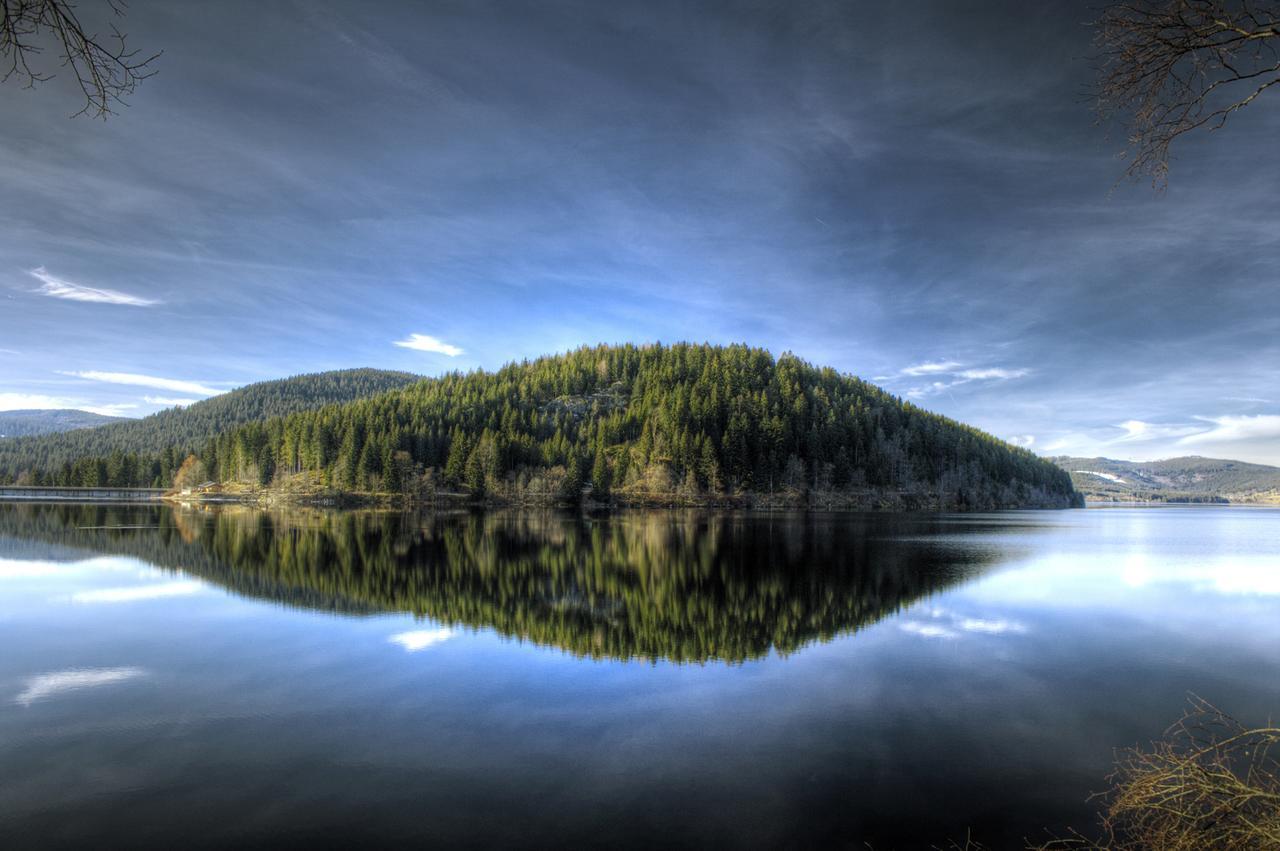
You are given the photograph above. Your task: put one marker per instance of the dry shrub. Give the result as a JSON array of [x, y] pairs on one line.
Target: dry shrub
[[1211, 783]]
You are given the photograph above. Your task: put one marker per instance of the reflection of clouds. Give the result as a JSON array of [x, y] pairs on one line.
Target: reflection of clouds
[[10, 569], [991, 627], [421, 639], [948, 625], [1245, 575], [927, 630], [139, 592], [1248, 578], [34, 569], [1136, 570], [57, 682]]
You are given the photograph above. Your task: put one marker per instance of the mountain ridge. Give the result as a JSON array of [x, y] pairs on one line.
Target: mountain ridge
[[28, 422], [1188, 478], [174, 432]]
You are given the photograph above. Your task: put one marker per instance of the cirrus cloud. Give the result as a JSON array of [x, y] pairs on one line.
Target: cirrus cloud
[[55, 287], [949, 374], [134, 379], [1230, 429], [931, 368], [169, 402]]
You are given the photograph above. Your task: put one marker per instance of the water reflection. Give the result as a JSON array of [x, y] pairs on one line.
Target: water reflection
[[48, 685], [297, 701], [686, 587]]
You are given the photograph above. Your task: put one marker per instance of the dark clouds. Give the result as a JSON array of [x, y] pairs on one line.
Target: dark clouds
[[873, 186]]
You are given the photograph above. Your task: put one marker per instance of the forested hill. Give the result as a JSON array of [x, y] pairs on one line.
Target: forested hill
[[28, 422], [1188, 479], [142, 452], [632, 424], [637, 424]]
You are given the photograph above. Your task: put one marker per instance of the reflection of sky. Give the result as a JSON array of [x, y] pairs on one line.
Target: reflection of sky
[[43, 686], [420, 639], [998, 702]]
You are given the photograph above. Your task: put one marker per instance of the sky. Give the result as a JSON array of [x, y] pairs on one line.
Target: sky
[[917, 194]]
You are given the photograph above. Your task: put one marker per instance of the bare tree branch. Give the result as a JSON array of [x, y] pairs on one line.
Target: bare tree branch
[[105, 68], [1167, 67]]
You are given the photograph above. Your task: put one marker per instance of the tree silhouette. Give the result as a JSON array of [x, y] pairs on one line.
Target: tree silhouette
[[105, 67], [1167, 67]]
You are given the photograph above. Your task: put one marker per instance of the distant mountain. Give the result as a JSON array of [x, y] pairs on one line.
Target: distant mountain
[[166, 438], [29, 422], [1189, 479]]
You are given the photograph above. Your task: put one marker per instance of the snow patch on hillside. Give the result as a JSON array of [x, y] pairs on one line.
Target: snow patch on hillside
[[1111, 477]]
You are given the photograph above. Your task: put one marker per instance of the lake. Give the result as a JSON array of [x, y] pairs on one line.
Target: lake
[[231, 677]]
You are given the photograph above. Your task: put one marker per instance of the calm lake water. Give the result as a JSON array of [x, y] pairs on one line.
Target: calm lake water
[[182, 678]]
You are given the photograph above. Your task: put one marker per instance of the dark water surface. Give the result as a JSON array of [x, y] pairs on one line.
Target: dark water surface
[[180, 678]]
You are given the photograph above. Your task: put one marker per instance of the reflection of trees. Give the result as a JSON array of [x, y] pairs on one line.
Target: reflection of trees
[[680, 586]]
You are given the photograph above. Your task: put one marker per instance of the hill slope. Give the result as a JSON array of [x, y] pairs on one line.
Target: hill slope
[[642, 424], [683, 423], [29, 422], [72, 457], [1189, 479]]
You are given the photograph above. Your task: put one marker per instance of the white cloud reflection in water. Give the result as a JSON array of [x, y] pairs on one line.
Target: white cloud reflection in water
[[421, 639], [1251, 574], [134, 593], [11, 568], [55, 683], [949, 625]]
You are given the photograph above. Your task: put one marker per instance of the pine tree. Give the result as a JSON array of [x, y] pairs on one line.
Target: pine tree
[[600, 481]]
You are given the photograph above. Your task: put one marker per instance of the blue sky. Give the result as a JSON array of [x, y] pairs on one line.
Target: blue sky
[[913, 193]]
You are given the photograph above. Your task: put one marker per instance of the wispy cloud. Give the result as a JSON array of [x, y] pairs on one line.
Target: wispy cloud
[[1237, 428], [963, 377], [174, 384], [134, 593], [931, 368], [991, 374], [57, 682], [421, 639], [427, 343], [32, 402], [949, 374], [168, 401], [1026, 441], [114, 409], [1140, 430], [56, 287], [1246, 437]]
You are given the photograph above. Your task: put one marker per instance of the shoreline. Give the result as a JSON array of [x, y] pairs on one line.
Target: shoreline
[[868, 501]]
